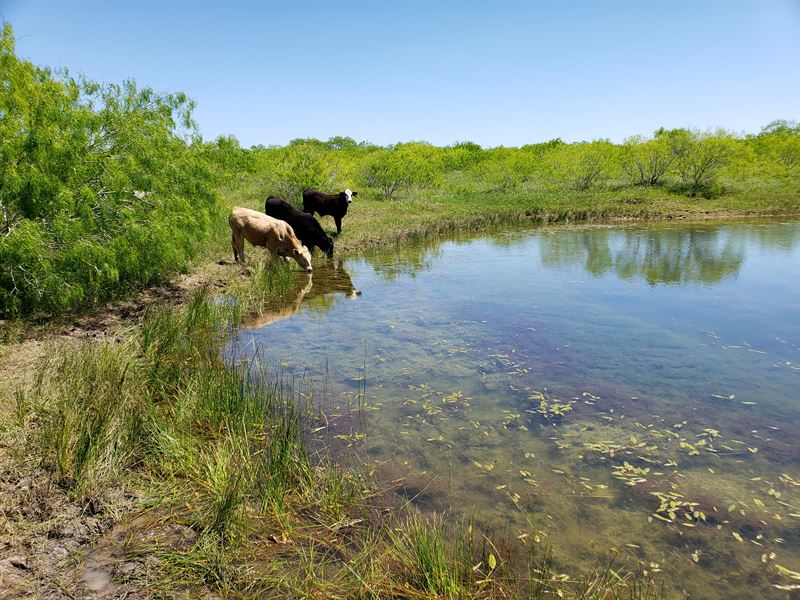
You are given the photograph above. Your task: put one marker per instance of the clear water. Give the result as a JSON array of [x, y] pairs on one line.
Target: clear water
[[568, 383]]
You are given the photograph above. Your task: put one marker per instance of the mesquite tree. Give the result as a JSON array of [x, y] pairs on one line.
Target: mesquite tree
[[101, 188]]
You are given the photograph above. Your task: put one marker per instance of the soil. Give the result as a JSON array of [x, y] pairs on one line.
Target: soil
[[51, 545]]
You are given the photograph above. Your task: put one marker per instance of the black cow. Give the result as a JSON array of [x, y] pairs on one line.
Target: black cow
[[334, 205], [305, 227]]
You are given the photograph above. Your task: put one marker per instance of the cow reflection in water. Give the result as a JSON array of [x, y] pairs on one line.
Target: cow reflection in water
[[331, 278], [326, 281], [289, 304]]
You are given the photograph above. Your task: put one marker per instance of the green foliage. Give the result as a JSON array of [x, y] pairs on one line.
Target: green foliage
[[227, 158], [646, 162], [581, 166], [402, 166], [776, 149], [101, 190], [700, 156], [301, 165], [503, 168], [461, 156]]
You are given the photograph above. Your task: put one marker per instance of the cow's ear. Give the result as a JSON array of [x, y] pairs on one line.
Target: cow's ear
[[355, 193]]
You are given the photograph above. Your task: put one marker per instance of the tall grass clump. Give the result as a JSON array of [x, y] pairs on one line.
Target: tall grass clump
[[165, 404], [94, 419], [421, 550], [441, 559]]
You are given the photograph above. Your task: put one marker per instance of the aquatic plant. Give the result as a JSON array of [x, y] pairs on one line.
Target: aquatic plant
[[675, 508]]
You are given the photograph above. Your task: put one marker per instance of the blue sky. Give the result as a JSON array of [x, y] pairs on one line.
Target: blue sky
[[496, 73]]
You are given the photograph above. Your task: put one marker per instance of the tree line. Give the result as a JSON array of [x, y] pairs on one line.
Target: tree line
[[103, 188], [685, 161]]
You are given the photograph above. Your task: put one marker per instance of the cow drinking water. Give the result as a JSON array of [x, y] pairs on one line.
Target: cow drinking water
[[262, 230]]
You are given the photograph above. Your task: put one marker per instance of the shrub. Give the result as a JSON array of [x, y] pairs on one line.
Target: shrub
[[103, 187], [580, 166]]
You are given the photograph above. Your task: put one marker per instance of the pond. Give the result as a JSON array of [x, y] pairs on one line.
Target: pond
[[630, 390]]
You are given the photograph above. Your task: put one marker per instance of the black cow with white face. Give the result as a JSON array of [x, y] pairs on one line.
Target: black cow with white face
[[306, 227], [334, 205]]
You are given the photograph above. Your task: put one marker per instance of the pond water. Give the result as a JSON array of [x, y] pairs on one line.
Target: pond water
[[603, 389]]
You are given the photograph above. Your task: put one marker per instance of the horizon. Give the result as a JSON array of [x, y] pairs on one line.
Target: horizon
[[505, 74]]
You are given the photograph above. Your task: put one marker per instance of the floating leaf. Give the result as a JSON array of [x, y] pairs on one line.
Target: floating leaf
[[788, 572]]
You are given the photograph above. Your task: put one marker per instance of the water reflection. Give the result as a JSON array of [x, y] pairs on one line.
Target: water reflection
[[409, 259], [286, 306], [660, 254], [668, 256], [319, 288], [330, 279]]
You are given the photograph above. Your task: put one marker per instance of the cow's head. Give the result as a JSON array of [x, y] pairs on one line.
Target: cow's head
[[347, 195], [303, 257]]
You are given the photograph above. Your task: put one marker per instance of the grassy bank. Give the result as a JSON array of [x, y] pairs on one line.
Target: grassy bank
[[223, 492], [372, 220]]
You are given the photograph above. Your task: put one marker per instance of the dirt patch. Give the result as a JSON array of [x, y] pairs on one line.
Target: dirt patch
[[42, 531], [115, 316]]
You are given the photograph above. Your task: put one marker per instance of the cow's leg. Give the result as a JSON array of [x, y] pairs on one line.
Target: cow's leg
[[235, 249], [240, 247], [338, 224]]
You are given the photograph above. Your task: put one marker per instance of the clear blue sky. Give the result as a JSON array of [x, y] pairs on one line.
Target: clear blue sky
[[496, 73]]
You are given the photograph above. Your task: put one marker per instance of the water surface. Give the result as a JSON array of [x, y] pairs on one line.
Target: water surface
[[628, 388]]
